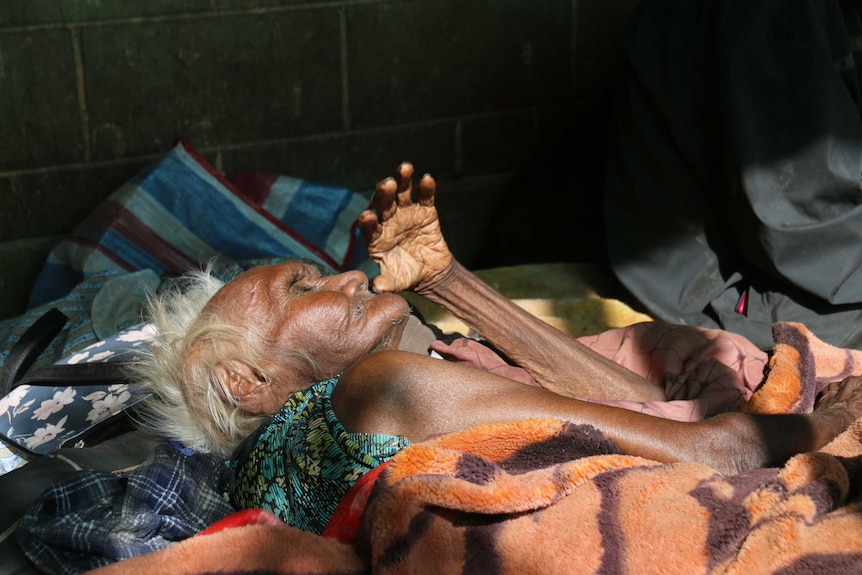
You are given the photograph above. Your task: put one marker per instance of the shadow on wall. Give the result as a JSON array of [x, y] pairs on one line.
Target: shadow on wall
[[552, 209]]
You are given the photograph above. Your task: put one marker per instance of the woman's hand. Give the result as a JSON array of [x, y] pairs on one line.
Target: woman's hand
[[405, 238]]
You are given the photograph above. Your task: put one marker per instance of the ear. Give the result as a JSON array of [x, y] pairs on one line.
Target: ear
[[241, 381]]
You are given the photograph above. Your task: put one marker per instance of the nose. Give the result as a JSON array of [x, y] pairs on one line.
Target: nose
[[350, 282]]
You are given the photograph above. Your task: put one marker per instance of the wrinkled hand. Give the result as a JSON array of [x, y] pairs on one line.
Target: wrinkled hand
[[402, 237]]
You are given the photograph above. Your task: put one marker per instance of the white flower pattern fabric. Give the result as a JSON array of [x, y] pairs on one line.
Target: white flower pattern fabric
[[42, 419], [55, 404]]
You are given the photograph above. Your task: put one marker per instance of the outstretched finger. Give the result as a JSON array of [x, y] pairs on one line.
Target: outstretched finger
[[427, 189], [405, 184], [384, 198], [368, 226]]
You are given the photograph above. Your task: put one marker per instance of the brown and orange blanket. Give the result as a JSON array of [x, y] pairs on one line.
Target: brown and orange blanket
[[543, 496]]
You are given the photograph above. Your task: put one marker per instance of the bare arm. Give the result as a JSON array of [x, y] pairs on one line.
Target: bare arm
[[416, 396], [558, 362], [406, 241]]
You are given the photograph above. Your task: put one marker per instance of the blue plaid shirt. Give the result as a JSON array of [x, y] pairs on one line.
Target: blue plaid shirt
[[97, 518]]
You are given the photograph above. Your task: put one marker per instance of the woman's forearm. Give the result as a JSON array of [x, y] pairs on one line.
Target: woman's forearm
[[558, 362]]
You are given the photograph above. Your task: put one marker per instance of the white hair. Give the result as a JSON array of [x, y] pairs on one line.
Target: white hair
[[191, 402]]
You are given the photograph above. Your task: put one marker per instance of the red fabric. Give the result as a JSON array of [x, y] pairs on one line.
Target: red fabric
[[253, 185], [342, 527], [241, 519], [344, 524]]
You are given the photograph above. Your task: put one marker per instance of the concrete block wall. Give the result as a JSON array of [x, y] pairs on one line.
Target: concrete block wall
[[333, 91]]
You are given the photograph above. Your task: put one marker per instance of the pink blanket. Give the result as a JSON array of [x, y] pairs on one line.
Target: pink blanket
[[702, 372]]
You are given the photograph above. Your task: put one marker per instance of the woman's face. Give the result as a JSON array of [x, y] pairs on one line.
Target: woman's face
[[335, 319]]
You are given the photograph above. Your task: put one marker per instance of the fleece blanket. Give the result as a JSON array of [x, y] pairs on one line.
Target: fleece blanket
[[544, 496]]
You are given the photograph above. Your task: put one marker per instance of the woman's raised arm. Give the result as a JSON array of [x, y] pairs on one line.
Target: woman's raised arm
[[405, 239]]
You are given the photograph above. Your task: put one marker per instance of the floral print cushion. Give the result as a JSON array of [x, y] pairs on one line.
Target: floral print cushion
[[41, 418]]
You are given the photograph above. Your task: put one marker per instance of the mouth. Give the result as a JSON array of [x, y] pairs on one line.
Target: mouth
[[402, 314], [360, 306]]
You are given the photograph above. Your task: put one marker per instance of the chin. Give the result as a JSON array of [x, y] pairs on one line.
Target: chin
[[388, 343], [400, 308], [393, 336]]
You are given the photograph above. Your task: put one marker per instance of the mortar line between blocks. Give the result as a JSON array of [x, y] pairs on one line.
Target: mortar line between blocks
[[80, 83], [345, 76]]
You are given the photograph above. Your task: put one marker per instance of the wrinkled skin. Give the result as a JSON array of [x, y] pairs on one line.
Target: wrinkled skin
[[420, 397], [385, 390], [405, 239], [334, 319]]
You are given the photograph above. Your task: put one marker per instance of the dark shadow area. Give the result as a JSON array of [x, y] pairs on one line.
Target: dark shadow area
[[731, 197], [552, 209]]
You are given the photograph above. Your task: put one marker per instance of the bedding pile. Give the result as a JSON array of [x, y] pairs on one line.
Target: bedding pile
[[546, 496], [176, 215], [538, 495]]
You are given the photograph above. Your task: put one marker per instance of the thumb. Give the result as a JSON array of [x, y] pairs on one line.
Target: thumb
[[383, 284]]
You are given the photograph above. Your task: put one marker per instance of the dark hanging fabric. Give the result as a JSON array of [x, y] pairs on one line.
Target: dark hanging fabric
[[733, 186]]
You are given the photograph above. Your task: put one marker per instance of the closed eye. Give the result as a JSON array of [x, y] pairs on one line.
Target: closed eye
[[300, 288], [304, 280]]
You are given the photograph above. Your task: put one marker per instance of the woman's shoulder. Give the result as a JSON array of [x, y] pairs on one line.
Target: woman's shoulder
[[370, 394], [395, 367]]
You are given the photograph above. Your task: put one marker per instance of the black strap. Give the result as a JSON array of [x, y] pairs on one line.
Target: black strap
[[25, 352], [81, 373], [27, 349]]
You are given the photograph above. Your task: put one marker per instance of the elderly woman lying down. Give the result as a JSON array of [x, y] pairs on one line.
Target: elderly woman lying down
[[313, 380]]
